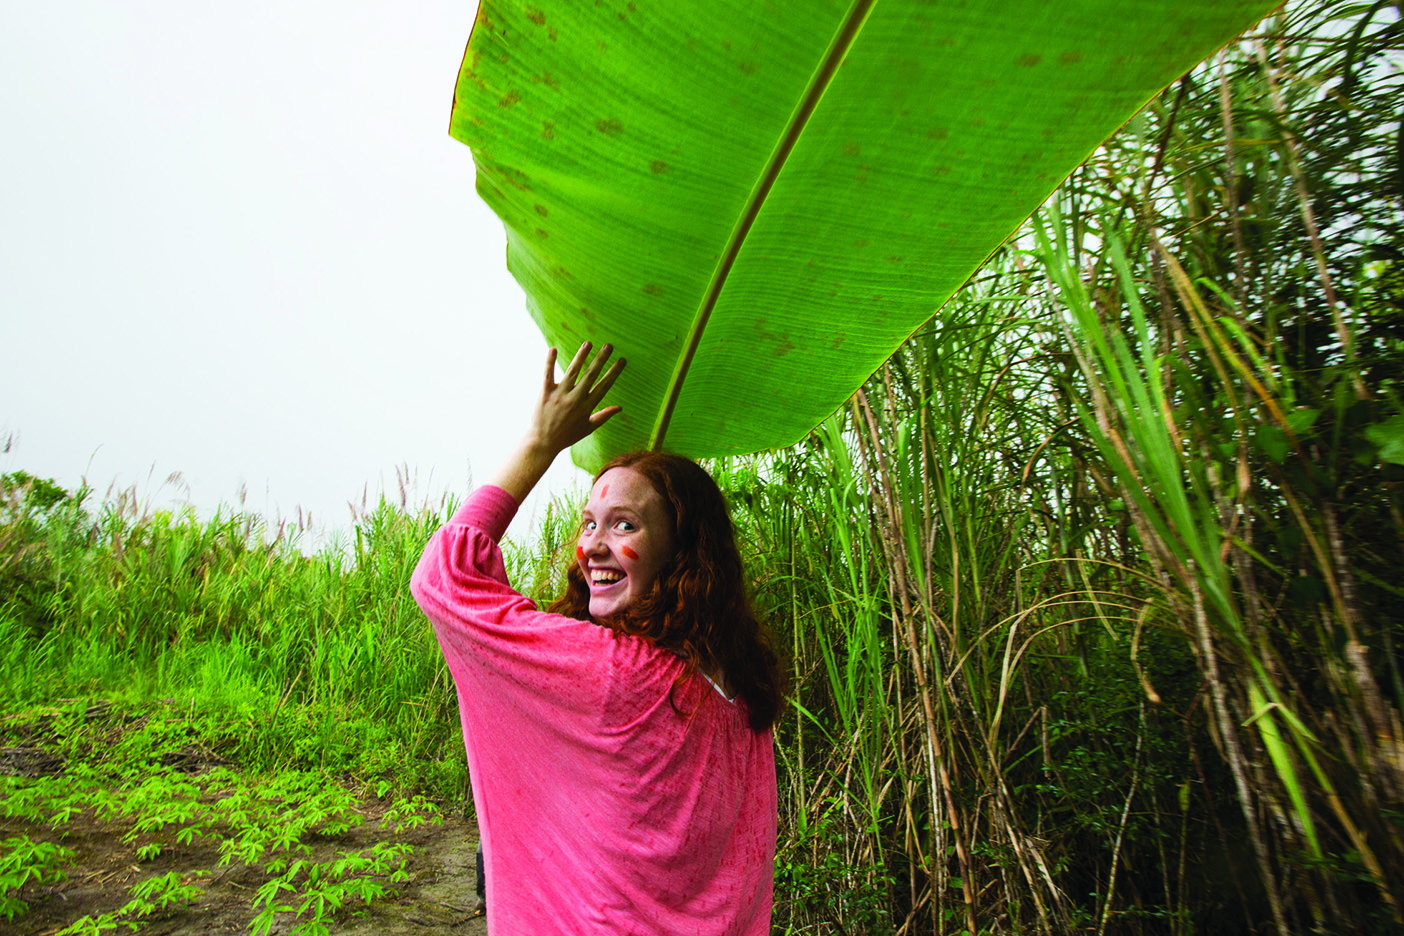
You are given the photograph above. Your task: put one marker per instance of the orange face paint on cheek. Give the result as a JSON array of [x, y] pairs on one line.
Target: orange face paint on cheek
[[629, 553], [579, 552]]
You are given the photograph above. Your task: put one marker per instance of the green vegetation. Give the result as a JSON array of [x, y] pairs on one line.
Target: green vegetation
[[134, 775], [186, 682], [1093, 589], [1092, 592], [306, 662], [757, 203]]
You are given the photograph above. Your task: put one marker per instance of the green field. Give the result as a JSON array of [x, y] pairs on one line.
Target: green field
[[1091, 594]]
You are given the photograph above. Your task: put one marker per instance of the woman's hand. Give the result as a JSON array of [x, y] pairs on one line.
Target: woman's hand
[[565, 415]]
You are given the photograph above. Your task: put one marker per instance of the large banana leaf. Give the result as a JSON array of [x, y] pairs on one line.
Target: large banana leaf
[[756, 201]]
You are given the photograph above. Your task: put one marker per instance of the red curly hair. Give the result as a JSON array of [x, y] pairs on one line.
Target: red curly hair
[[698, 606]]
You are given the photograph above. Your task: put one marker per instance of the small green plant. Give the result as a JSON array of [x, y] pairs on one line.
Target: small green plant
[[411, 814], [23, 861], [318, 890], [147, 898], [268, 820]]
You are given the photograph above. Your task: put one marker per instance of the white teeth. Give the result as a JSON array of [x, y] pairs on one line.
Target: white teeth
[[605, 577]]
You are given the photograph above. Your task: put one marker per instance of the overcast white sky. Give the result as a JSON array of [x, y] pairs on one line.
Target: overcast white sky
[[236, 241]]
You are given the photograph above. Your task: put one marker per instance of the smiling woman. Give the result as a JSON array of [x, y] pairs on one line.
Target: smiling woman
[[679, 581], [625, 538], [620, 745]]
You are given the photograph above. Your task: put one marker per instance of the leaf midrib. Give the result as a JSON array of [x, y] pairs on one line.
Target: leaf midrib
[[818, 83]]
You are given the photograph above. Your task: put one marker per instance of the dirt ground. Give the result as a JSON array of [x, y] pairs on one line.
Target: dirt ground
[[438, 897]]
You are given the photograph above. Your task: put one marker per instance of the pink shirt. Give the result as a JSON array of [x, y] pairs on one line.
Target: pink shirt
[[602, 808]]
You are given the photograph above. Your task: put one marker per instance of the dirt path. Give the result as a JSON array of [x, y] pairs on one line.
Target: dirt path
[[438, 897]]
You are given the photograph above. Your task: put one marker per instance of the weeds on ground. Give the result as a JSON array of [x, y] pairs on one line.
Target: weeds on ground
[[264, 822]]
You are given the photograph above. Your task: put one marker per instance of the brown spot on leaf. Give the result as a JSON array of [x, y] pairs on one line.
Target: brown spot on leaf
[[541, 210], [1070, 57], [542, 234], [658, 167], [509, 99], [610, 127], [548, 130], [537, 17], [937, 133], [517, 179], [784, 348], [652, 289], [748, 68], [1028, 60], [839, 339], [546, 79], [894, 259], [852, 148], [861, 242], [551, 33]]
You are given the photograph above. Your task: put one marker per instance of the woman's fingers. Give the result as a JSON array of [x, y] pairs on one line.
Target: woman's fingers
[[596, 364], [600, 418], [573, 371], [584, 372], [600, 388], [550, 369], [588, 381]]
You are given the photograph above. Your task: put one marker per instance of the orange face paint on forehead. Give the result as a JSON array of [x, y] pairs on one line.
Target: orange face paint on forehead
[[629, 553], [604, 491]]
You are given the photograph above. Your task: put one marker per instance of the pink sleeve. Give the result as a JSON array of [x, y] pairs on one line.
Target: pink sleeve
[[494, 638], [489, 509]]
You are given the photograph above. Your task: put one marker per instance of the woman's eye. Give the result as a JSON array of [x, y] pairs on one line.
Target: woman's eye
[[588, 525], [624, 526]]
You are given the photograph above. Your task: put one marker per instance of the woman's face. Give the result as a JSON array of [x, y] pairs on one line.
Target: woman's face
[[625, 539]]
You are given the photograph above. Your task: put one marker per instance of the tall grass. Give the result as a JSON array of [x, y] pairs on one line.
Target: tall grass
[[307, 661], [1092, 589]]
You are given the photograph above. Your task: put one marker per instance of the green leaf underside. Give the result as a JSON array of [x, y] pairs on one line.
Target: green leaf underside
[[756, 203]]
